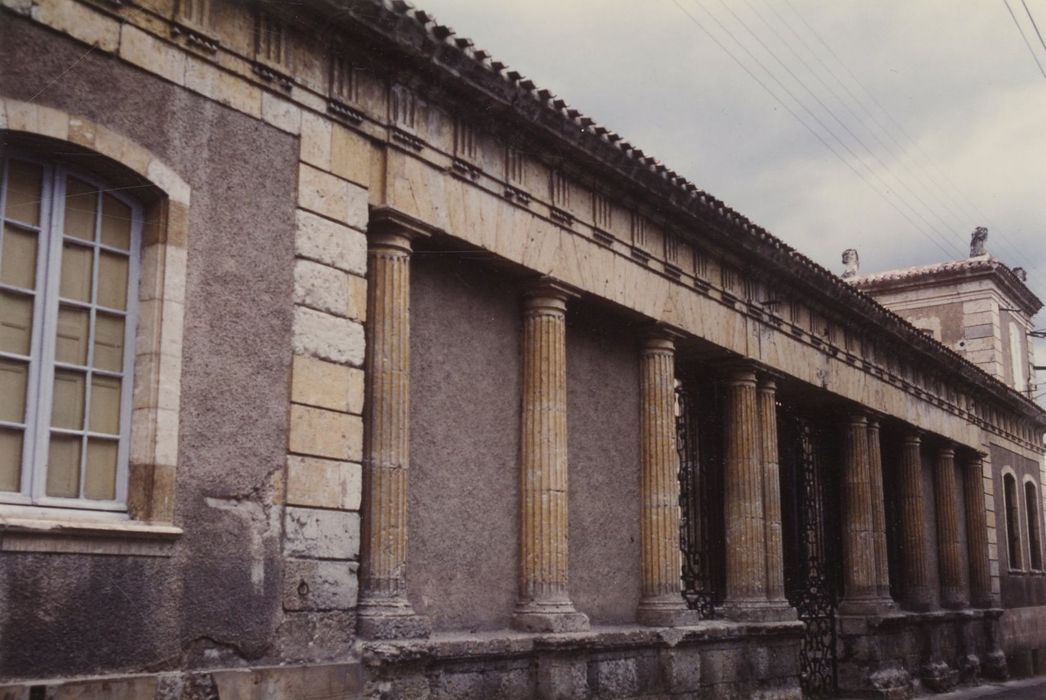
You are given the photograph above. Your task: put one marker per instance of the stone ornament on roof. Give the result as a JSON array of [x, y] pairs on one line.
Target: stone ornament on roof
[[851, 263], [979, 242]]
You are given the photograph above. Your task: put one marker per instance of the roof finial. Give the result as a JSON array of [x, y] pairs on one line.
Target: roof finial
[[852, 263], [978, 242]]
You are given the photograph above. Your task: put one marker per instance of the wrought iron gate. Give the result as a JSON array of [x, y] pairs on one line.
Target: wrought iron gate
[[699, 441], [811, 552]]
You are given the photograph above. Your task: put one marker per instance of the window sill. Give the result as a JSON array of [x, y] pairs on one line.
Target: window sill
[[108, 537]]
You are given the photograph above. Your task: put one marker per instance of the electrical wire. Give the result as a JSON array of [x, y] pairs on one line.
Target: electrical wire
[[959, 199], [1034, 25], [792, 112], [885, 168]]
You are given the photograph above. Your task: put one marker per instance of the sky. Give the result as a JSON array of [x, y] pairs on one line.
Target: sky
[[894, 127]]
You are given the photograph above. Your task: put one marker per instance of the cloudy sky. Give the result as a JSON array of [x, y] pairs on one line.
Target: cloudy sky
[[893, 127]]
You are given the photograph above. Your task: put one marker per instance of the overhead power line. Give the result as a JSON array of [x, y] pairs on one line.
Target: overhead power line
[[920, 169], [797, 116], [1024, 36], [959, 199], [920, 177], [1034, 25], [948, 242]]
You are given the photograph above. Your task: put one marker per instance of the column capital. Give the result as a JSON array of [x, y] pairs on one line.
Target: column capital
[[858, 417], [767, 381], [658, 336], [946, 450], [387, 220], [913, 436], [739, 371], [546, 293]]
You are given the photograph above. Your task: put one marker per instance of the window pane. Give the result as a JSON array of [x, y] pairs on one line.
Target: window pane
[[71, 345], [100, 479], [68, 408], [108, 342], [10, 459], [116, 223], [112, 281], [63, 467], [13, 376], [23, 192], [76, 272], [105, 405], [18, 258], [81, 203], [16, 322]]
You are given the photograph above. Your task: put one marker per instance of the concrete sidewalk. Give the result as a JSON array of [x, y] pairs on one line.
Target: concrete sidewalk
[[1023, 689]]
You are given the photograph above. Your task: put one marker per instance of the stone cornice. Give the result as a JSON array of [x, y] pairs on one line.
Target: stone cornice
[[470, 74]]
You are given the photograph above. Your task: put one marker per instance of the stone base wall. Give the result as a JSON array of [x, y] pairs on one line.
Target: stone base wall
[[1023, 633], [341, 681], [902, 654], [712, 659]]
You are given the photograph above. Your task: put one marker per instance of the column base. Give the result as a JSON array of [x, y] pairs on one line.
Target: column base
[[758, 611], [666, 612], [390, 618], [994, 666], [549, 617], [939, 676]]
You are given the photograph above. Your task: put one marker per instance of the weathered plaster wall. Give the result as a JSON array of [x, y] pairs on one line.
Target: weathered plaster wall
[[464, 489], [219, 595], [603, 427]]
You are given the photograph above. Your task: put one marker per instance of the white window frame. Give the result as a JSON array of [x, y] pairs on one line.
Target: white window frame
[[40, 381]]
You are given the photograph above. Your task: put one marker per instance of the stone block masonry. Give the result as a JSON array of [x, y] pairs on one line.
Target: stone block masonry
[[324, 477]]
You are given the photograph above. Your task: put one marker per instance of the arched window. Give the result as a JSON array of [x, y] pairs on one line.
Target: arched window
[[1013, 522], [1034, 539], [68, 293]]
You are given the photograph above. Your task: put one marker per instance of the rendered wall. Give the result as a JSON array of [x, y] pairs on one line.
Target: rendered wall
[[216, 601], [603, 427], [464, 483]]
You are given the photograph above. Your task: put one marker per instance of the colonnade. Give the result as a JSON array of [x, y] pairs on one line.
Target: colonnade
[[752, 506]]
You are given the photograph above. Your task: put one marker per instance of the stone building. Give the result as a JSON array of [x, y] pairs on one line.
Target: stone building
[[982, 308], [261, 261]]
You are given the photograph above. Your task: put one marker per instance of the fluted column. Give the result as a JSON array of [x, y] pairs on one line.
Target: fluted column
[[743, 509], [915, 550], [544, 603], [775, 591], [860, 592], [875, 467], [977, 533], [384, 611], [949, 540], [662, 600]]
